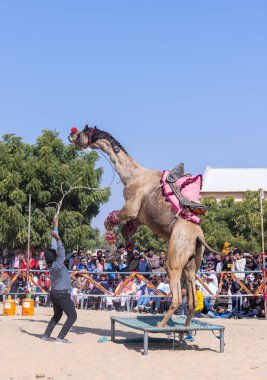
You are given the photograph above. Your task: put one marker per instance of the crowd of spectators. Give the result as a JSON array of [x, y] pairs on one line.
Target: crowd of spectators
[[222, 286]]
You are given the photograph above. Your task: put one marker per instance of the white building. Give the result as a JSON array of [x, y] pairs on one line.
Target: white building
[[222, 182]]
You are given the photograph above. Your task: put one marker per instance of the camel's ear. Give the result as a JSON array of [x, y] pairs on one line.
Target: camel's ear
[[86, 128]]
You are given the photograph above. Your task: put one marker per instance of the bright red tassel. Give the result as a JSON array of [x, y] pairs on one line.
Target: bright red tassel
[[74, 130]]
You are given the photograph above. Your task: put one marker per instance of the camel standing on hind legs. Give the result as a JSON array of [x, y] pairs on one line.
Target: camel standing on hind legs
[[146, 204]]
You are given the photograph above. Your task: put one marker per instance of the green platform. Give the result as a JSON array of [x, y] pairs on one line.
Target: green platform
[[148, 324]]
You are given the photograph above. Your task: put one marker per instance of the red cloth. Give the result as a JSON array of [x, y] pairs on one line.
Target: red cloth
[[24, 264]]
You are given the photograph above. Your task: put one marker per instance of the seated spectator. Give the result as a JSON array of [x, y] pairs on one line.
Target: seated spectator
[[233, 288], [96, 293], [144, 302], [220, 308], [156, 279], [125, 292], [200, 301], [45, 282], [4, 280], [164, 288], [182, 308], [208, 294], [18, 287], [252, 307]]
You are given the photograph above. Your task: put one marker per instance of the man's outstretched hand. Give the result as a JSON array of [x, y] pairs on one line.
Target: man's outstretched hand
[[55, 221], [55, 235]]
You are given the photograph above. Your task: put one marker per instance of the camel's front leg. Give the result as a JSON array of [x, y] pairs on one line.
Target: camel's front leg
[[133, 198], [129, 211]]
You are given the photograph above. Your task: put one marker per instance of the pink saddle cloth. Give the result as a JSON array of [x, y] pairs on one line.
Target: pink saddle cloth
[[189, 188]]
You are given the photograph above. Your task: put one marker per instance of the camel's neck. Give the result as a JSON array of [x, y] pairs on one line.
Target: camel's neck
[[124, 165]]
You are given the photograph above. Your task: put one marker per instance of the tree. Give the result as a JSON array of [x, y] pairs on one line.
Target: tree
[[145, 238], [236, 222], [39, 170]]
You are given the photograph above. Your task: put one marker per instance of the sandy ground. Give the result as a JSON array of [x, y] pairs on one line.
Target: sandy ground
[[24, 356]]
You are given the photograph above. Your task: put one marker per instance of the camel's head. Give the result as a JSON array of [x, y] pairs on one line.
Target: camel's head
[[88, 138], [85, 138]]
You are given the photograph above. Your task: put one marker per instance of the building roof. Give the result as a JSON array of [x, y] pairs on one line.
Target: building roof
[[234, 179]]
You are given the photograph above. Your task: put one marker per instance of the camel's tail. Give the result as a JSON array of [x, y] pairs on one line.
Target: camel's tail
[[203, 241]]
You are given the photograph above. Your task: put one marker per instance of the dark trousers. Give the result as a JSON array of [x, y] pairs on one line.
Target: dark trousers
[[61, 303]]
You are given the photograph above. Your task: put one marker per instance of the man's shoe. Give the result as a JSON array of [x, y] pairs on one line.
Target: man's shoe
[[189, 338], [62, 340], [46, 337]]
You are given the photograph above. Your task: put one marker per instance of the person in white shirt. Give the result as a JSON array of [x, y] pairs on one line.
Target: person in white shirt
[[164, 288], [238, 264], [208, 295]]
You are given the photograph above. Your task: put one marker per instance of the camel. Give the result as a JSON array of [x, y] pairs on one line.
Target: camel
[[145, 204]]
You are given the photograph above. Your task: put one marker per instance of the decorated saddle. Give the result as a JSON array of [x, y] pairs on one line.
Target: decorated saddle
[[183, 192]]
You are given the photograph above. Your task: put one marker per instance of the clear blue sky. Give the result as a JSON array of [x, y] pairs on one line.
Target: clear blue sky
[[171, 80]]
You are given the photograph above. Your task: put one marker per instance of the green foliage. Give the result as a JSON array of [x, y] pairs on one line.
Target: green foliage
[[39, 170], [238, 223], [145, 238]]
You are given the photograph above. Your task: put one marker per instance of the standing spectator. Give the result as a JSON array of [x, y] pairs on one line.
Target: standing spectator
[[238, 265], [152, 259], [162, 260], [218, 263], [251, 263], [227, 262], [83, 265], [41, 263], [143, 265], [226, 248], [17, 259], [24, 262], [73, 259]]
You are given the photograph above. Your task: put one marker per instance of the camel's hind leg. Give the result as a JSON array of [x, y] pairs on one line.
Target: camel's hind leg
[[190, 274], [175, 285]]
